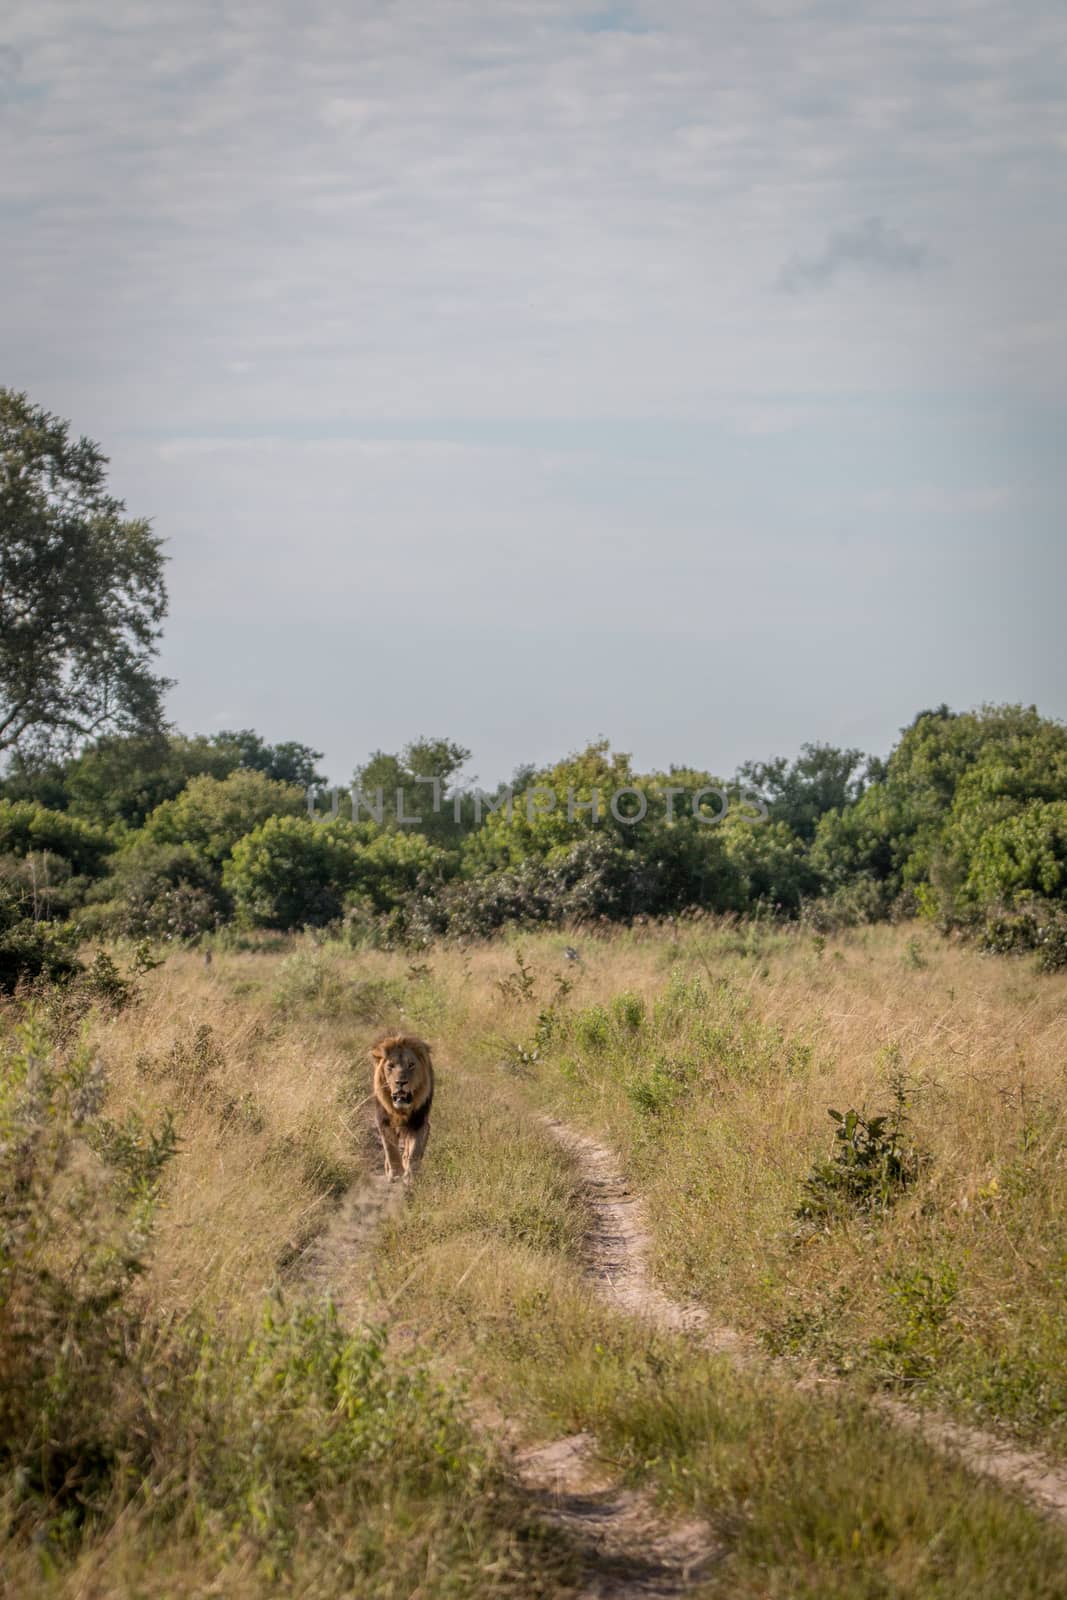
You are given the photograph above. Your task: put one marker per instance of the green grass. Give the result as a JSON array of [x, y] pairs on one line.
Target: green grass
[[720, 1114], [810, 1496]]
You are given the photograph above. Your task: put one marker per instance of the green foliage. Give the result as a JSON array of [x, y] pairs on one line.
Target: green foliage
[[628, 1012], [519, 985], [81, 591], [591, 1029], [212, 814], [965, 824], [118, 782], [770, 866], [27, 828], [74, 1232], [922, 1303], [541, 827], [288, 762], [291, 872], [157, 891], [798, 793], [390, 868], [870, 1166], [1022, 854], [1029, 925], [656, 1090], [30, 951], [424, 774], [48, 860], [958, 808]]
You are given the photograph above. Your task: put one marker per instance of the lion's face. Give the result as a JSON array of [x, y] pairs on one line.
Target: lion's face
[[402, 1070]]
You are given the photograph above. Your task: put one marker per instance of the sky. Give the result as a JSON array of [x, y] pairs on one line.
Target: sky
[[688, 374]]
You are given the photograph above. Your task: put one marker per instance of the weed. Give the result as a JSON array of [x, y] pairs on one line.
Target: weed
[[592, 1028], [923, 1301], [628, 1012], [518, 986], [870, 1165]]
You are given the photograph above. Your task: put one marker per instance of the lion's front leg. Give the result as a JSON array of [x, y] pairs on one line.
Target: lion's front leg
[[414, 1145], [394, 1161]]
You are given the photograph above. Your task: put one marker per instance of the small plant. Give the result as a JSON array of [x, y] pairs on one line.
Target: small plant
[[144, 960], [870, 1166], [564, 985], [518, 1059], [628, 1010], [658, 1089], [106, 984], [136, 1153], [520, 984], [913, 956], [592, 1028], [916, 1347]]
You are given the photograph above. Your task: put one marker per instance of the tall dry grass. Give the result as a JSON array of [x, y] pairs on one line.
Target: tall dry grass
[[708, 1055]]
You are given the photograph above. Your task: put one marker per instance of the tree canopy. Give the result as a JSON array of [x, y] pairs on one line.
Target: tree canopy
[[81, 592]]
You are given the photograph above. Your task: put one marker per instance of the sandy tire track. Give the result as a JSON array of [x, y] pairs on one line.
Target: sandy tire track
[[332, 1261], [629, 1550], [617, 1264]]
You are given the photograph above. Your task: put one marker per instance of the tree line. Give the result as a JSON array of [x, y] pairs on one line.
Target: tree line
[[111, 823]]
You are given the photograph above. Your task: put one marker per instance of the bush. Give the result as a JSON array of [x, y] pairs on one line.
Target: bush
[[30, 950], [1031, 925], [870, 1166], [75, 1212], [157, 891], [26, 828], [291, 872], [212, 814]]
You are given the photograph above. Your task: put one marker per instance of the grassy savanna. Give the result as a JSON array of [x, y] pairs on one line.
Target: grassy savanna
[[289, 1453]]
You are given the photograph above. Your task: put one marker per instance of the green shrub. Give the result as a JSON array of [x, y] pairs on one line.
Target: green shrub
[[628, 1012], [291, 872], [212, 814], [1031, 925], [27, 828], [76, 1199], [870, 1166], [591, 1029], [33, 951], [157, 891], [917, 1345]]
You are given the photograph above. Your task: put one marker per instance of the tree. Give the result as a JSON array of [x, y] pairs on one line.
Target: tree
[[81, 592], [424, 774], [123, 780], [211, 815], [291, 872], [288, 762], [821, 779]]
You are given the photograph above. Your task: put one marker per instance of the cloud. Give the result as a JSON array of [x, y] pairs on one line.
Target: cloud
[[10, 67], [868, 246], [435, 222]]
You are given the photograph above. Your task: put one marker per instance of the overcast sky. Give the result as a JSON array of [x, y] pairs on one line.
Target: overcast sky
[[691, 373]]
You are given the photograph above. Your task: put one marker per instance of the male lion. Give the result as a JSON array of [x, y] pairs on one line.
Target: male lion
[[403, 1095]]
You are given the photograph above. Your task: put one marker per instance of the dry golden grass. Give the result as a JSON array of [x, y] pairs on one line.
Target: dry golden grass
[[711, 1078], [268, 1100], [718, 1102]]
